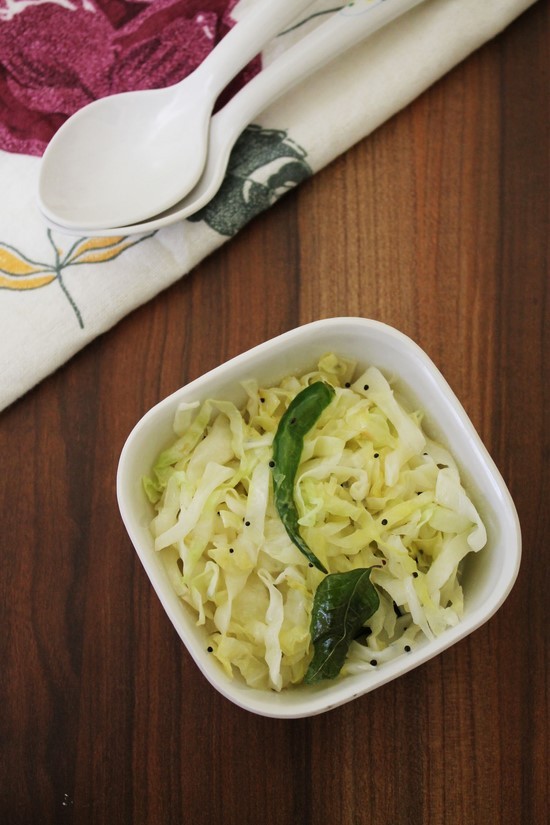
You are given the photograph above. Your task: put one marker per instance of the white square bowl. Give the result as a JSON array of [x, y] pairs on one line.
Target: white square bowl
[[489, 575]]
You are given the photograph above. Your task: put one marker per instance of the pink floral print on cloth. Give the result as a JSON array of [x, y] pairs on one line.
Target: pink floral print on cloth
[[58, 55]]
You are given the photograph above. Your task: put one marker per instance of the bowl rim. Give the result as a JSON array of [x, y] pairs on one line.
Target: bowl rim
[[319, 698]]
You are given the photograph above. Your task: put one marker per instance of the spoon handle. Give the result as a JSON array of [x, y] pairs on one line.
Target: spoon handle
[[245, 40], [345, 28]]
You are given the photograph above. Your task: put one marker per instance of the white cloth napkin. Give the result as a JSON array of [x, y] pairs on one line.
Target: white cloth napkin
[[58, 292]]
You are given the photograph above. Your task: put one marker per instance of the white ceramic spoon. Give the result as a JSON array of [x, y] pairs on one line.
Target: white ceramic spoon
[[127, 156], [343, 30]]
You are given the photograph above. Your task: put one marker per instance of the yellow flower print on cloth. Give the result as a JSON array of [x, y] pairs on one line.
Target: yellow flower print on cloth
[[18, 272]]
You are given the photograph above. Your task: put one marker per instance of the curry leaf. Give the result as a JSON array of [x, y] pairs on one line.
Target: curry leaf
[[342, 604], [302, 413]]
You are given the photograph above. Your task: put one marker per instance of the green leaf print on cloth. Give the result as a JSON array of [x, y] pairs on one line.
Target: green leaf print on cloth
[[264, 164]]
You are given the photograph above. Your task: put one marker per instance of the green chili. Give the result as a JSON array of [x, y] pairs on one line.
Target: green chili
[[303, 412]]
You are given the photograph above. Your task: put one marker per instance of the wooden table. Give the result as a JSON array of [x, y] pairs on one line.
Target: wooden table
[[438, 225]]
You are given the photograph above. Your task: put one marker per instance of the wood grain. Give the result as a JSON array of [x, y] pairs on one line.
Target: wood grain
[[437, 224]]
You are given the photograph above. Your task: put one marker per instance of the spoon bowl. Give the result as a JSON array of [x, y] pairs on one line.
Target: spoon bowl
[[95, 172]]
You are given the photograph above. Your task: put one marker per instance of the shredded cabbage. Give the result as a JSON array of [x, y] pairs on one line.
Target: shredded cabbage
[[372, 490]]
